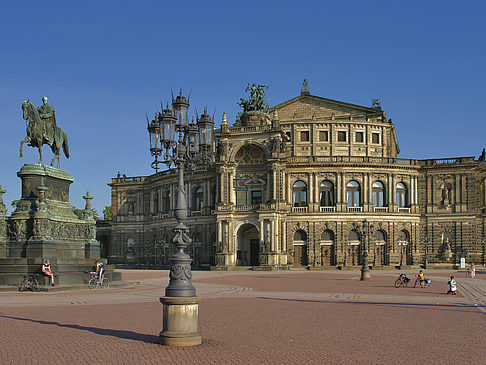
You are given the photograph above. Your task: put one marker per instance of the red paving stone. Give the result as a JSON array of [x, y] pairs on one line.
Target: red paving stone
[[249, 330]]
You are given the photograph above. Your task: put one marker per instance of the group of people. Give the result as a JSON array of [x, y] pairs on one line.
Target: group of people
[[452, 282], [46, 270]]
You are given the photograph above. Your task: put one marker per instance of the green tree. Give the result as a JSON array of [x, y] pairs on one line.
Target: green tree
[[107, 213]]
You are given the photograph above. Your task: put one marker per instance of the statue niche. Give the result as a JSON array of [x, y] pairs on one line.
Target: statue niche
[[445, 192]]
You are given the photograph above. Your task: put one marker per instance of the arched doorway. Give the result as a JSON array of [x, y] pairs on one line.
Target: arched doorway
[[404, 246], [301, 257], [327, 248], [380, 247], [247, 246]]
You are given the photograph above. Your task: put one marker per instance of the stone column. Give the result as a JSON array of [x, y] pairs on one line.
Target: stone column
[[262, 237], [310, 197], [231, 190], [274, 183]]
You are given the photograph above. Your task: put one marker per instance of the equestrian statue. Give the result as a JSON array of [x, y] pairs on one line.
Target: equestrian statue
[[42, 129]]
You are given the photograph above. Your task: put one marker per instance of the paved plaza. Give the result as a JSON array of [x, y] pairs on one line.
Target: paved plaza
[[254, 317]]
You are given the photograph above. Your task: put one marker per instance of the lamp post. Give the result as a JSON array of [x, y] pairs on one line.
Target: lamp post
[[426, 248], [180, 304], [484, 252], [365, 269], [345, 253]]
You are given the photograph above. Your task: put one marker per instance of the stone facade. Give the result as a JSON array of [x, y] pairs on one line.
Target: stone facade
[[292, 188]]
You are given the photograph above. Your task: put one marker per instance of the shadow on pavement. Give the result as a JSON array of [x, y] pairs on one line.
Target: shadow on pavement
[[391, 304], [127, 335]]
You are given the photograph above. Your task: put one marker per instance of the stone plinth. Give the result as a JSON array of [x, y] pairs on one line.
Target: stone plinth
[[44, 226], [180, 321]]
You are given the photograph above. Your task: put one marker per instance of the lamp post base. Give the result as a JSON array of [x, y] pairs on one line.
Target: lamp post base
[[181, 322], [365, 274]]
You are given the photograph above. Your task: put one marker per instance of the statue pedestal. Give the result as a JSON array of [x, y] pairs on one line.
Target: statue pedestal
[[180, 321], [44, 226]]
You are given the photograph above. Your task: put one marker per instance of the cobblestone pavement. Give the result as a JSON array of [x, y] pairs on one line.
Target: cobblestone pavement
[[316, 317]]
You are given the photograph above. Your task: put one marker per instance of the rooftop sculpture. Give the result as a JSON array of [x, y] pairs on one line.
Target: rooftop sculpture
[[256, 102]]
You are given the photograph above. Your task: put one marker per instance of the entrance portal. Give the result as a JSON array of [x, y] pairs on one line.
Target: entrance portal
[[247, 247]]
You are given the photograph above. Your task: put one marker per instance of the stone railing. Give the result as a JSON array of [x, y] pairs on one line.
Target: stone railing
[[403, 210], [447, 161], [352, 159], [355, 209], [327, 209], [246, 208], [380, 209], [300, 209], [257, 128]]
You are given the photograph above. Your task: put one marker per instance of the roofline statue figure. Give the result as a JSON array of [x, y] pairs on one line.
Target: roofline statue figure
[[42, 129], [256, 102]]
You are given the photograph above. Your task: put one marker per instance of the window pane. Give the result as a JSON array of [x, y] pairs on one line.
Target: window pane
[[241, 197], [323, 136], [256, 197]]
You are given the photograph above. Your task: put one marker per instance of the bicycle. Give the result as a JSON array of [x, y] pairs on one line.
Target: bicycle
[[29, 282], [95, 282], [402, 281], [426, 283]]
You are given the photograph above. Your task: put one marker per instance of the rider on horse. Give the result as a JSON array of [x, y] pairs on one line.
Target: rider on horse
[[48, 116]]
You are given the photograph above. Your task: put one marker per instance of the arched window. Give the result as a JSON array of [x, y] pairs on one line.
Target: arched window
[[354, 237], [401, 195], [380, 237], [156, 201], [299, 193], [326, 194], [378, 194], [167, 202], [403, 236], [198, 199], [327, 235], [300, 236], [353, 194]]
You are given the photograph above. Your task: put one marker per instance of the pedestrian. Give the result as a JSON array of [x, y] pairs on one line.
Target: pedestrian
[[473, 270], [452, 286]]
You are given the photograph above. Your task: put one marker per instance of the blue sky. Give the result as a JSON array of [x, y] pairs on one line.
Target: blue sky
[[104, 64]]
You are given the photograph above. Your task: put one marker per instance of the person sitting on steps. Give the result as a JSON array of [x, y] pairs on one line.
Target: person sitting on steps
[[46, 270]]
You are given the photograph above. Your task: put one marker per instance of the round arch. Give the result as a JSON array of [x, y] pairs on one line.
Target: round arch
[[247, 244]]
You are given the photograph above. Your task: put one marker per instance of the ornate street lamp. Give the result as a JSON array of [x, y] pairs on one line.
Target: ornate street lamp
[[181, 306]]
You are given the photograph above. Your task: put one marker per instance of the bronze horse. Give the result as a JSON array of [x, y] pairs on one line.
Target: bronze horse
[[35, 134]]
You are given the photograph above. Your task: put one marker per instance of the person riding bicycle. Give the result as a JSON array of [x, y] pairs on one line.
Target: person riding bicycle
[[100, 271], [421, 278], [46, 270]]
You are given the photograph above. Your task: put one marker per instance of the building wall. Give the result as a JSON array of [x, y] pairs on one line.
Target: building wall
[[248, 197]]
